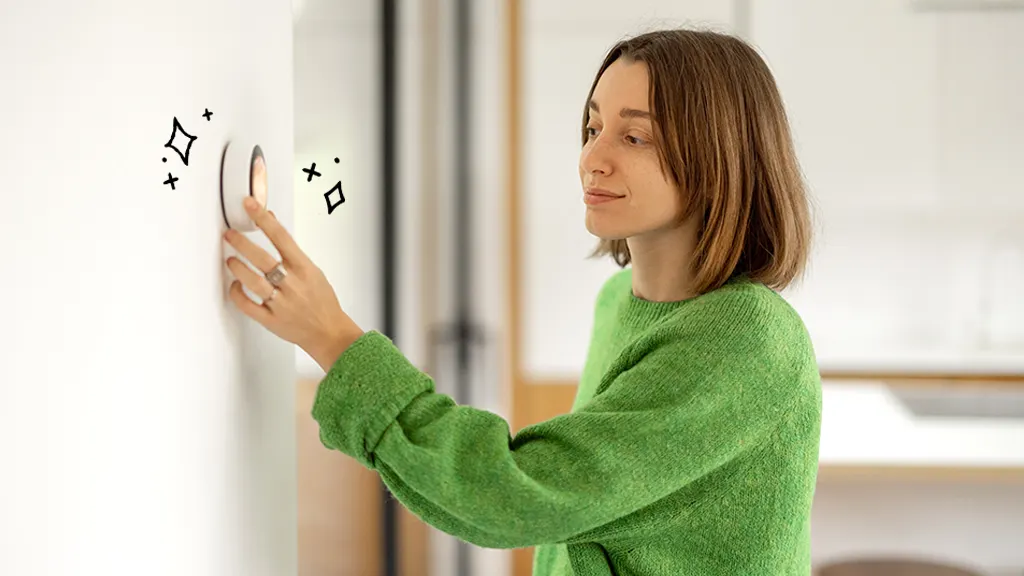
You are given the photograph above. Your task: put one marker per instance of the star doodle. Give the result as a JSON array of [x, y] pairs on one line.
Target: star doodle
[[171, 180], [207, 114], [327, 196], [188, 148], [311, 171]]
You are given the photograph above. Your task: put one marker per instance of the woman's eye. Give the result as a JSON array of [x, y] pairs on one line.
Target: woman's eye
[[592, 132]]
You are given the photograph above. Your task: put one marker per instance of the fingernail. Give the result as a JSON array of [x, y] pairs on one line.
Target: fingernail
[[250, 203]]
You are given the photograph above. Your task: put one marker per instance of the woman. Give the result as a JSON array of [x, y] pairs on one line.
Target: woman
[[692, 446]]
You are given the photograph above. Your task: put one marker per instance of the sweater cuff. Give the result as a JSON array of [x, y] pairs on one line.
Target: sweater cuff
[[363, 393]]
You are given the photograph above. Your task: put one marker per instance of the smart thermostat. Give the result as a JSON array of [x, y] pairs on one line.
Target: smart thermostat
[[243, 172]]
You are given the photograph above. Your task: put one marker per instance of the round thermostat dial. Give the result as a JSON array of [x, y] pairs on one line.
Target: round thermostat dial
[[243, 173]]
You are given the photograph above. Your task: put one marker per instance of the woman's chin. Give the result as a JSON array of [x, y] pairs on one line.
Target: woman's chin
[[604, 231]]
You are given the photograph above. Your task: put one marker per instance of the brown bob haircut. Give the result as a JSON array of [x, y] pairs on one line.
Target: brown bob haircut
[[723, 138]]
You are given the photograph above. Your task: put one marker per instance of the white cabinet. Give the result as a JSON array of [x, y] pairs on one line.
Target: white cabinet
[[908, 128], [864, 423]]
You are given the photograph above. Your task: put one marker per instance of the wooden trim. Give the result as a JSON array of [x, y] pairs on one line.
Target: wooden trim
[[517, 394], [339, 506], [925, 378], [913, 380], [414, 554], [839, 473]]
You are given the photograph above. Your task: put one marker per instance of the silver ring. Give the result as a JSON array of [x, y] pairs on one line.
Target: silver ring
[[271, 297], [276, 276]]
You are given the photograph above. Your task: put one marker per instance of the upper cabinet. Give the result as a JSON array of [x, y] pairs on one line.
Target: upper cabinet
[[908, 126]]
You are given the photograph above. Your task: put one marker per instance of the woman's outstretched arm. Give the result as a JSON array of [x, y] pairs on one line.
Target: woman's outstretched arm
[[679, 413]]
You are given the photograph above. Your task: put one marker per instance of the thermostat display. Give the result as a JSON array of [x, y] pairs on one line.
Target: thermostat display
[[243, 173], [258, 177]]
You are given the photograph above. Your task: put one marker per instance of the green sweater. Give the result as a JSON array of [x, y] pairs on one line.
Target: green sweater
[[691, 447]]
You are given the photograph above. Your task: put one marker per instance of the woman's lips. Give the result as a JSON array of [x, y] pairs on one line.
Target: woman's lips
[[593, 196]]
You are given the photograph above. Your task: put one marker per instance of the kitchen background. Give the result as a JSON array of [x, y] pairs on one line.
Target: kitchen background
[[908, 118]]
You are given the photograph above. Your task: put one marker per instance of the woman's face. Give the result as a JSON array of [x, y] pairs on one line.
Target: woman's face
[[620, 157]]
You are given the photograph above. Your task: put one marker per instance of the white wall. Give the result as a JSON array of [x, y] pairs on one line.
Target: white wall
[[338, 115], [151, 424]]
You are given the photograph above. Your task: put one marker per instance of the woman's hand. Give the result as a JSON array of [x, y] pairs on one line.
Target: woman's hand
[[302, 309]]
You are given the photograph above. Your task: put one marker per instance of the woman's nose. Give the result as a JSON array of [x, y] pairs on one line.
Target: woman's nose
[[595, 158]]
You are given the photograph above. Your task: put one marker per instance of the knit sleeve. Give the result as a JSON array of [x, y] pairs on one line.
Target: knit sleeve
[[677, 414]]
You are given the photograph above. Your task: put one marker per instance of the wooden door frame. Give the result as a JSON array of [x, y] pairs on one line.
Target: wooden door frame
[[529, 401]]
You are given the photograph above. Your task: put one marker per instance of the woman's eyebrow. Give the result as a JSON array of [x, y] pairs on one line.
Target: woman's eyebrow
[[625, 112]]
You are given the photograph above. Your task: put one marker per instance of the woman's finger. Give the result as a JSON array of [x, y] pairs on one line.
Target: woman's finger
[[259, 257], [256, 283], [282, 240], [251, 309]]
